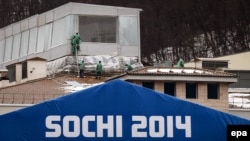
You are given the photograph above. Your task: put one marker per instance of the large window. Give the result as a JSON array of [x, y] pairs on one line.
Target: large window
[[32, 41], [128, 30], [148, 84], [2, 46], [212, 91], [12, 73], [24, 43], [98, 29], [8, 49], [24, 70], [169, 88], [191, 90], [16, 46]]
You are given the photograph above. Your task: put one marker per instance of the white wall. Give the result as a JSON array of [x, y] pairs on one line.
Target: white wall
[[36, 69]]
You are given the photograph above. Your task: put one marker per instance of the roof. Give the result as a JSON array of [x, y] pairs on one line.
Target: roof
[[210, 59], [174, 73], [179, 71], [40, 90], [117, 110]]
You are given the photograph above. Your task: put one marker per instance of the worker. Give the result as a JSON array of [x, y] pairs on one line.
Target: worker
[[75, 43], [82, 68], [129, 67], [180, 63], [99, 70]]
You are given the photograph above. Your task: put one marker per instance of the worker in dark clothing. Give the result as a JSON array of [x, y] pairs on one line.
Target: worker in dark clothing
[[75, 43], [99, 70], [129, 67], [82, 68]]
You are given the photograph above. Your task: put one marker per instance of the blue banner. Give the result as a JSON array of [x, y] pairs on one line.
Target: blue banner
[[116, 110]]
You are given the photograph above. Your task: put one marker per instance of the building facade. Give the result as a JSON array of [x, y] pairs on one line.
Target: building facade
[[104, 30], [205, 87]]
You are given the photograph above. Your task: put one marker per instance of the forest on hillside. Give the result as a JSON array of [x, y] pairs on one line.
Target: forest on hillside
[[169, 28]]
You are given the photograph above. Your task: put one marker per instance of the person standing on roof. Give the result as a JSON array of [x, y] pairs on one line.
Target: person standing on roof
[[129, 67], [180, 63], [82, 68], [75, 43], [99, 70]]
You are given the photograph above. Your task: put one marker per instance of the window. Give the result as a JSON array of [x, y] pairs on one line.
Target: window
[[12, 73], [97, 29], [214, 64], [149, 85], [169, 88], [24, 70], [212, 91], [191, 90], [128, 30]]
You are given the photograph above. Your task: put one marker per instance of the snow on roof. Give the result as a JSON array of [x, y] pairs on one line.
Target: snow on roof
[[73, 86], [178, 70]]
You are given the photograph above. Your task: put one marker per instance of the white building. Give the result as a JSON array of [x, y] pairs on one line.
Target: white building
[[105, 30]]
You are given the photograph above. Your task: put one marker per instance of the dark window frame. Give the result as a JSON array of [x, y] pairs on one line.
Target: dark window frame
[[214, 64], [213, 91], [191, 90], [146, 84], [24, 70], [170, 88], [12, 73]]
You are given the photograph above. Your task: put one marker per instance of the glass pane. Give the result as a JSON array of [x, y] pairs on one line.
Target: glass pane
[[128, 31], [58, 32], [149, 85], [169, 88], [48, 34], [32, 41], [24, 43], [8, 49], [40, 39], [2, 45], [97, 29], [212, 91], [16, 46], [191, 90]]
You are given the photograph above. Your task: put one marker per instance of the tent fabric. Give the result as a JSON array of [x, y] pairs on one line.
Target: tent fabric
[[116, 110]]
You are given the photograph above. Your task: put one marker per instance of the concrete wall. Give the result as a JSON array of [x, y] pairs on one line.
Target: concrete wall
[[238, 61], [36, 69]]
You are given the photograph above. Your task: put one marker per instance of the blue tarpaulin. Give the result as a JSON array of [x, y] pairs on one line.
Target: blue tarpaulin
[[116, 110]]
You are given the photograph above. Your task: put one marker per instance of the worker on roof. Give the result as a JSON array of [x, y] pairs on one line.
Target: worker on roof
[[99, 70], [129, 67], [82, 68], [180, 63]]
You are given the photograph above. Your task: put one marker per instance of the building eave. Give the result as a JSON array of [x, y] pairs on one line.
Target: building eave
[[179, 78]]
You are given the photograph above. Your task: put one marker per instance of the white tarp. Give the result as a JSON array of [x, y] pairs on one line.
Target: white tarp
[[110, 63]]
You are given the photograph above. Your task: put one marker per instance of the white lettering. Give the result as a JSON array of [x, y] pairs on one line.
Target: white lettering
[[238, 133], [118, 126], [85, 126], [142, 125], [54, 126], [186, 126], [109, 126], [170, 127], [158, 127], [153, 120], [76, 126]]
